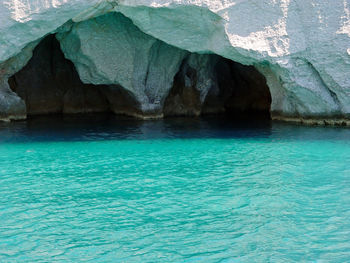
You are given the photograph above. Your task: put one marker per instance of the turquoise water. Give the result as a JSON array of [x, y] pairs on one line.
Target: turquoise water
[[179, 190]]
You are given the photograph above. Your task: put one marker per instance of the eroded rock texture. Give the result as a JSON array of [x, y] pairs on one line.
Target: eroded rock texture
[[301, 47], [204, 83], [210, 84], [12, 107], [50, 84], [111, 50], [191, 85]]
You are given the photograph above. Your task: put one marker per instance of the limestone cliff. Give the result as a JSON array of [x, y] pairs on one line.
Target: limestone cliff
[[158, 54]]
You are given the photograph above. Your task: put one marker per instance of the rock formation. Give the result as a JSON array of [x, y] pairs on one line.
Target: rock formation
[[111, 50], [50, 84], [158, 55]]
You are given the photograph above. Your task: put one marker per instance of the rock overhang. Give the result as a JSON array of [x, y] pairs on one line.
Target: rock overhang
[[300, 47]]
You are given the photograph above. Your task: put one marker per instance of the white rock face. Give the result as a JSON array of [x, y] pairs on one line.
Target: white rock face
[[111, 50], [301, 47]]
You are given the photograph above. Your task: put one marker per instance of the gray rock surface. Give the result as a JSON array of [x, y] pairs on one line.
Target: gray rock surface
[[12, 107], [301, 47], [110, 50]]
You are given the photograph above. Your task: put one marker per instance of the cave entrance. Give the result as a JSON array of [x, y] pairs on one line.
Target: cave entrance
[[204, 84], [243, 92], [50, 84], [210, 84]]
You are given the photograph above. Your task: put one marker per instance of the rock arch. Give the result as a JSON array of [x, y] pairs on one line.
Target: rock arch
[[128, 72], [306, 75]]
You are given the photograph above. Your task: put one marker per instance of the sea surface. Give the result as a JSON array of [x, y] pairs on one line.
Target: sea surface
[[105, 189]]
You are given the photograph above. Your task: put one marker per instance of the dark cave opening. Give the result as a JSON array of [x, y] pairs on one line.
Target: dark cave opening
[[50, 84], [244, 91], [237, 91]]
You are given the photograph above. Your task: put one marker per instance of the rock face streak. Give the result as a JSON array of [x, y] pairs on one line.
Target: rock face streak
[[155, 58]]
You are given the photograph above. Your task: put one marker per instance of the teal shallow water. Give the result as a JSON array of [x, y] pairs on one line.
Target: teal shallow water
[[173, 191]]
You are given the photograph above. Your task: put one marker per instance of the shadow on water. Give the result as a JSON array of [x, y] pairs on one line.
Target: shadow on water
[[95, 127]]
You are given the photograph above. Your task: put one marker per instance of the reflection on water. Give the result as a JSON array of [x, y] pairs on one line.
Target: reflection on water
[[110, 127], [99, 188]]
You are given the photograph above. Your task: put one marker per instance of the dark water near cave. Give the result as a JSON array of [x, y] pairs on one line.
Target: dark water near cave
[[102, 189]]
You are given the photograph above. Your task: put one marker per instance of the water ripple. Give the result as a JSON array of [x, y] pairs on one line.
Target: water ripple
[[189, 192]]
